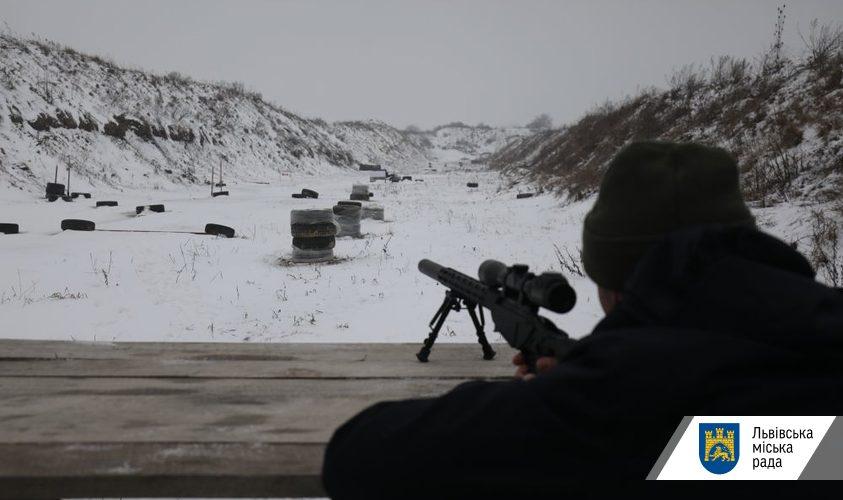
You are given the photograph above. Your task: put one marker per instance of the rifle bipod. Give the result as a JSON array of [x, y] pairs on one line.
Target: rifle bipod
[[452, 303]]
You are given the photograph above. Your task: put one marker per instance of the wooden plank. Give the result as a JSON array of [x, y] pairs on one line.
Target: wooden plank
[[191, 410], [148, 470], [12, 349], [57, 359], [233, 420]]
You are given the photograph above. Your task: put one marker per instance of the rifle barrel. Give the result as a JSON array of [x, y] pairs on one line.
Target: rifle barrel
[[430, 268]]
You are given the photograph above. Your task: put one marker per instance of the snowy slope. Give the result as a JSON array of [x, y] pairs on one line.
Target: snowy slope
[[125, 128], [376, 142], [459, 142], [121, 128], [781, 121]]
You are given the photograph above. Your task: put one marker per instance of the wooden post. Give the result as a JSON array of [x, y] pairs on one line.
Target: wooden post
[[213, 171]]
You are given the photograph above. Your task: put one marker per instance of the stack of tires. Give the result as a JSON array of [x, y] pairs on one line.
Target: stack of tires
[[347, 218], [360, 192], [314, 235]]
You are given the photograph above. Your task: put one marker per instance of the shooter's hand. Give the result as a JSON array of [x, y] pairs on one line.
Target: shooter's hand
[[543, 364]]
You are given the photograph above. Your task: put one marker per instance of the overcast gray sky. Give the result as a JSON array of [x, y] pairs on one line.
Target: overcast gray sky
[[422, 62]]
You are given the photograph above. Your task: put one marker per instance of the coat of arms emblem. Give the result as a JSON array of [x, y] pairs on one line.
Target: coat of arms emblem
[[719, 447]]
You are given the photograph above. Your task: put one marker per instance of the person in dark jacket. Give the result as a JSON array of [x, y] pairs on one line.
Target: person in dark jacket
[[706, 315]]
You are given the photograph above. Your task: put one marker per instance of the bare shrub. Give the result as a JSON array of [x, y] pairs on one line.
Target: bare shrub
[[825, 248], [824, 44], [728, 71], [687, 81], [774, 174], [569, 263]]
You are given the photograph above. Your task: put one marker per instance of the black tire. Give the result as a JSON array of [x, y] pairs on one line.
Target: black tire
[[298, 195], [315, 216], [219, 230], [67, 198], [359, 197], [407, 178], [313, 230], [87, 195], [156, 208], [8, 228], [107, 204], [218, 193], [55, 188], [77, 225], [139, 209], [318, 243], [472, 184], [521, 196], [349, 202], [52, 197], [309, 193], [347, 210], [74, 195]]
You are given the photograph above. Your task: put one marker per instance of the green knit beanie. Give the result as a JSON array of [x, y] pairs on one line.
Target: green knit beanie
[[649, 190]]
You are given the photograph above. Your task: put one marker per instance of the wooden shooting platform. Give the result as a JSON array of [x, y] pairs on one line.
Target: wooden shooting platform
[[191, 420]]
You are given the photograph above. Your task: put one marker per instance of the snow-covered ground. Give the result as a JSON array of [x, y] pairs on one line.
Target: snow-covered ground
[[177, 287]]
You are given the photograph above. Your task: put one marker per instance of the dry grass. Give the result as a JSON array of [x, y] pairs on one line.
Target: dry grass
[[749, 108]]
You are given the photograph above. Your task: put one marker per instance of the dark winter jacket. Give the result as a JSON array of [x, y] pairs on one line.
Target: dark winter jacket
[[714, 321]]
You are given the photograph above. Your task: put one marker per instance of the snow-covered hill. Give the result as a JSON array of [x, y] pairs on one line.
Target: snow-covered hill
[[460, 142], [379, 143], [780, 118], [125, 128]]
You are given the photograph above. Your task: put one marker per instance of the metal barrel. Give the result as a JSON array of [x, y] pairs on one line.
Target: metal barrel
[[430, 268]]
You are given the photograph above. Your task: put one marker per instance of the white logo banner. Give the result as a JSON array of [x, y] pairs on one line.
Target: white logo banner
[[735, 447]]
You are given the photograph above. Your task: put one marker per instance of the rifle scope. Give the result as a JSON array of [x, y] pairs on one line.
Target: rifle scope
[[548, 290]]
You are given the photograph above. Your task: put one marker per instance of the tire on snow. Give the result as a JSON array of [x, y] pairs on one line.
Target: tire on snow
[[309, 193], [77, 225], [219, 230], [106, 203], [8, 228]]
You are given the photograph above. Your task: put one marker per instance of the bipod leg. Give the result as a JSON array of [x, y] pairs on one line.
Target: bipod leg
[[436, 324], [488, 352]]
